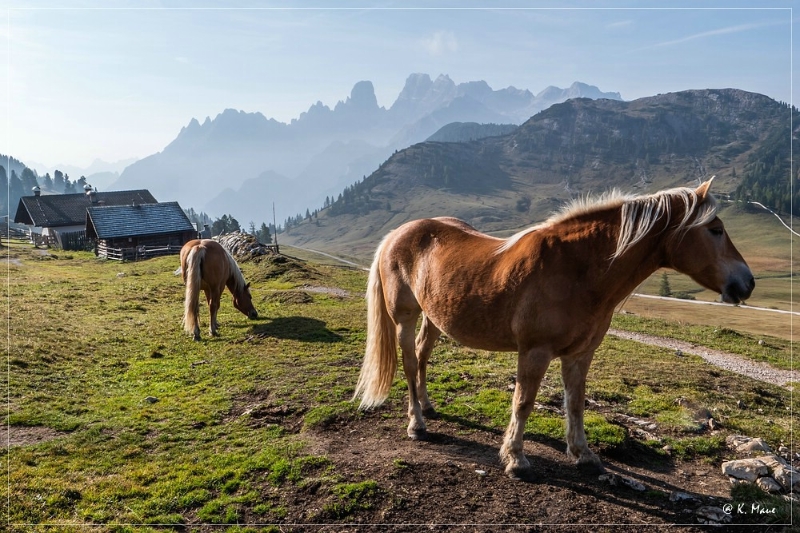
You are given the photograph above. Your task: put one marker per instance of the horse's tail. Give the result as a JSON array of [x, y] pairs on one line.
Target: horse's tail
[[192, 275], [380, 359]]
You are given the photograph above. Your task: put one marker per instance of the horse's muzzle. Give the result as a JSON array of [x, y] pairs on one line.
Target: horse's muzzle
[[739, 289], [252, 314]]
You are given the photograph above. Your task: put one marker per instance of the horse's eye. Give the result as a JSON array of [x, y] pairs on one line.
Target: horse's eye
[[717, 232]]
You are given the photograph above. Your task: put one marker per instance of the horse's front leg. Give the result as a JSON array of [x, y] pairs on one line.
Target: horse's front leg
[[426, 338], [573, 372], [531, 367], [213, 299], [405, 334]]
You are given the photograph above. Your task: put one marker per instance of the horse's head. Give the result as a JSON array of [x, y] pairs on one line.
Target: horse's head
[[706, 254], [243, 301]]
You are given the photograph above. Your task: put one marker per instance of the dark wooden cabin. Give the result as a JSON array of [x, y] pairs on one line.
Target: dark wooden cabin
[[59, 220], [140, 231]]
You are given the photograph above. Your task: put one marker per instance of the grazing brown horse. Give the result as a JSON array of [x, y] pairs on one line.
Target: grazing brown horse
[[206, 265], [547, 292]]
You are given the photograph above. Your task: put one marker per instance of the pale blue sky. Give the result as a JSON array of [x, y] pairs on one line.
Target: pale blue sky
[[84, 81]]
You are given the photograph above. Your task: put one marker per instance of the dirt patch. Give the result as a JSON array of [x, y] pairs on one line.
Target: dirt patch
[[331, 291], [258, 410], [27, 436], [456, 479]]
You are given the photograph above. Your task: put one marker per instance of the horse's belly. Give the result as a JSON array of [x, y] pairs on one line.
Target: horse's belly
[[482, 336]]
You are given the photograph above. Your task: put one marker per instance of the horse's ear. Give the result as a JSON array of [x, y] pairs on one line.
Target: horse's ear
[[702, 190]]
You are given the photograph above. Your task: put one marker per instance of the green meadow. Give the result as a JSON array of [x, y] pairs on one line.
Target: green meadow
[[147, 429]]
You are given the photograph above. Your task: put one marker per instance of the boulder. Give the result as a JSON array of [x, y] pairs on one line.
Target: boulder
[[767, 484], [747, 469]]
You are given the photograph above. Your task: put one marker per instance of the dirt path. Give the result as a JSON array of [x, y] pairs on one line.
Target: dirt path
[[727, 361], [455, 482]]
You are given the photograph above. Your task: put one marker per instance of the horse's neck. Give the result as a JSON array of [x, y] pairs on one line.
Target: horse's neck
[[628, 271], [231, 283]]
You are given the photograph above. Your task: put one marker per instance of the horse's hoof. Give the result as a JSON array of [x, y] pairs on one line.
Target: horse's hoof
[[430, 413], [520, 473], [418, 434], [196, 337], [591, 467]]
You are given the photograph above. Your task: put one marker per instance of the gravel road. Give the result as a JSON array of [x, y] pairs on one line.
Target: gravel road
[[727, 361]]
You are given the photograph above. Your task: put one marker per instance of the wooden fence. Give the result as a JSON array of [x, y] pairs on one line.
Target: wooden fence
[[135, 253]]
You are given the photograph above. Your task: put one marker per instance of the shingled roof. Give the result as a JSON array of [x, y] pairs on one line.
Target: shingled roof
[[111, 222], [56, 210]]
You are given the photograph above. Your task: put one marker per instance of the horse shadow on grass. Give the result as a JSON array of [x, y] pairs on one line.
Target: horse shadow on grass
[[299, 328]]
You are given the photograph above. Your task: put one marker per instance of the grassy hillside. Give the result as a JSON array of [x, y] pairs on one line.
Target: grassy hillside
[[117, 418]]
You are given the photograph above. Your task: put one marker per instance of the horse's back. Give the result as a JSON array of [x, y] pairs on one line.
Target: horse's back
[[213, 258], [438, 235]]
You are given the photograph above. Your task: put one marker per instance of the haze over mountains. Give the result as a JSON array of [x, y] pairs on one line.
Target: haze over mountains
[[99, 173], [239, 163]]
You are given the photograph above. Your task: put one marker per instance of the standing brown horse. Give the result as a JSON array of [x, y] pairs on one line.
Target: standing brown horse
[[206, 265], [547, 292]]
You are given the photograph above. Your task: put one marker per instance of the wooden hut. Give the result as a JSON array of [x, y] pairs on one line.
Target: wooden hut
[[59, 220], [138, 231]]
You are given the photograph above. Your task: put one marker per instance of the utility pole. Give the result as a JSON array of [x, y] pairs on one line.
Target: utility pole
[[275, 225]]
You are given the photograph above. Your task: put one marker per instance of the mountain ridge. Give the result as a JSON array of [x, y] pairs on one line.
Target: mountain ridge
[[235, 147]]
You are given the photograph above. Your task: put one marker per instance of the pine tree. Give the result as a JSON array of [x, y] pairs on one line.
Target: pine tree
[[4, 204], [264, 235], [664, 289], [29, 181], [47, 182], [58, 181]]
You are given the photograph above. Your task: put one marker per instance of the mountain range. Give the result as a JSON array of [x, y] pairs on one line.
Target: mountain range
[[239, 163], [507, 182]]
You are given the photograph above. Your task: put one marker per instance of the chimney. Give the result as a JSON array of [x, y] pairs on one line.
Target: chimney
[[37, 191], [90, 193]]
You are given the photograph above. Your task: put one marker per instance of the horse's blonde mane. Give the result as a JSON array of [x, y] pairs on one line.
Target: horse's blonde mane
[[236, 273], [638, 214]]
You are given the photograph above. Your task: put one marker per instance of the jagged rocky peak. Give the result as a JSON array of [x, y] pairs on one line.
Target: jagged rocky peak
[[193, 125], [474, 88], [363, 95], [443, 84], [417, 85], [317, 110]]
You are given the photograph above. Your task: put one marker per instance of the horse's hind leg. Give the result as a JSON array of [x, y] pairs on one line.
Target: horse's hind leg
[[405, 334], [426, 338], [573, 372], [213, 300], [531, 367], [196, 330]]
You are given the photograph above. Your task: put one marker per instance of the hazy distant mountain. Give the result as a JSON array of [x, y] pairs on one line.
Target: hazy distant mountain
[[570, 149], [208, 164], [100, 174]]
